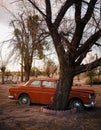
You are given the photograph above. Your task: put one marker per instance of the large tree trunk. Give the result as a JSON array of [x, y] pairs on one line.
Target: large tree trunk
[[63, 89], [61, 96], [66, 61]]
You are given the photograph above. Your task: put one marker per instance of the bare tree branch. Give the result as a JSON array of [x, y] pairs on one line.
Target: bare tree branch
[[78, 11], [87, 67], [62, 12], [34, 4], [48, 10], [89, 12], [81, 23], [89, 43]]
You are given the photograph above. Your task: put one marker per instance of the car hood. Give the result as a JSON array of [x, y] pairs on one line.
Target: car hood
[[15, 88]]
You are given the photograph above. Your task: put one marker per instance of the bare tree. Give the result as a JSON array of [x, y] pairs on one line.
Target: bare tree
[[27, 40], [71, 47], [50, 68], [3, 64]]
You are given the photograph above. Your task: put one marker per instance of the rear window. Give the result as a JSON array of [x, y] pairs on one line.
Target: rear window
[[49, 84]]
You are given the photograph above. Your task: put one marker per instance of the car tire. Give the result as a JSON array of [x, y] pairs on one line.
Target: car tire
[[76, 103], [24, 100]]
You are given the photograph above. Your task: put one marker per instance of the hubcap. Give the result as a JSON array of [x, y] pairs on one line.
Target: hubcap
[[77, 104], [24, 100]]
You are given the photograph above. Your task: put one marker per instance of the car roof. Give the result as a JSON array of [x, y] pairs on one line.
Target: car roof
[[44, 78]]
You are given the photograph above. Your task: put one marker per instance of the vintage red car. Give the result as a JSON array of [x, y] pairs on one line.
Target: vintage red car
[[41, 91]]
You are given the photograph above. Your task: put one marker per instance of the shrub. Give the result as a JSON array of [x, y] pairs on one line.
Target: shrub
[[95, 81]]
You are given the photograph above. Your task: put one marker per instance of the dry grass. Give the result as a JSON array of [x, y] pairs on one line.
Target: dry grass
[[16, 117]]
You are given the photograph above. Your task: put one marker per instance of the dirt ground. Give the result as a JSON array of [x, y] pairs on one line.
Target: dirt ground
[[16, 117]]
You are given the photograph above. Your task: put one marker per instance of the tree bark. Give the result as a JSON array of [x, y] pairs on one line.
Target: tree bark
[[27, 69], [63, 89], [65, 81]]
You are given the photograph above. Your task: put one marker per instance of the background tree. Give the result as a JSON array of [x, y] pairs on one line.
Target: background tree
[[71, 47], [27, 40], [7, 74], [35, 71], [99, 72], [50, 68], [3, 64], [91, 74]]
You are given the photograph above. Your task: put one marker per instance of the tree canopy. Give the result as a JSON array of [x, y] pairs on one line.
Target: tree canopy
[[28, 39]]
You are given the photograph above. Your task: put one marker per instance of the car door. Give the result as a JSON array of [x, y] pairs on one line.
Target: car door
[[35, 90], [48, 90]]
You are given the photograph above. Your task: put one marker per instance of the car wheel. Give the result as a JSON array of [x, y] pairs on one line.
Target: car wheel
[[76, 103], [24, 100]]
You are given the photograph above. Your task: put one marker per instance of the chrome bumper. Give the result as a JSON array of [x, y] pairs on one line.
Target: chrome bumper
[[92, 104], [11, 97]]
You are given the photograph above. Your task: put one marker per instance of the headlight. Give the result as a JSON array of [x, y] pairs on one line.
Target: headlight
[[92, 96]]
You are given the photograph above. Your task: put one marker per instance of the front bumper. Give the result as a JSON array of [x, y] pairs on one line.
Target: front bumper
[[92, 104], [11, 97]]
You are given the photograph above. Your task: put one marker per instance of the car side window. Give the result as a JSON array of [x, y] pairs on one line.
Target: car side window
[[35, 83], [48, 84]]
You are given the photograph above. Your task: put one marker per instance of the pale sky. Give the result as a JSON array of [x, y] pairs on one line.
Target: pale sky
[[5, 29], [4, 20]]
